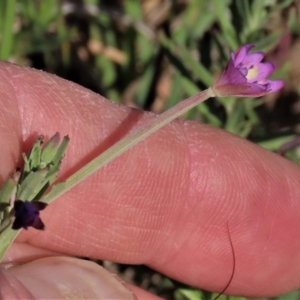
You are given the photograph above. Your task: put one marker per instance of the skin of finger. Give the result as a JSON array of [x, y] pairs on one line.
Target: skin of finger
[[68, 278], [12, 288], [167, 201], [20, 253]]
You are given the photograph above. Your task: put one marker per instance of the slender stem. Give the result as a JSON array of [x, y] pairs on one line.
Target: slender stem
[[132, 139]]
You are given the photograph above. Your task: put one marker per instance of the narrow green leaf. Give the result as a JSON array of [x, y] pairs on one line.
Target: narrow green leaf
[[32, 185], [191, 294], [34, 157], [7, 34], [7, 190], [221, 8], [52, 173], [7, 236], [50, 149], [274, 144], [61, 150], [185, 56], [6, 193]]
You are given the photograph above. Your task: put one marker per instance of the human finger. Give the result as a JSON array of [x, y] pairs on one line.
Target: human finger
[[165, 202]]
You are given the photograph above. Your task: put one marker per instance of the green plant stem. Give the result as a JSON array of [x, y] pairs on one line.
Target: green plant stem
[[130, 140]]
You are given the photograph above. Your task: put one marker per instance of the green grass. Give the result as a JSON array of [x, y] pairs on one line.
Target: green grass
[[154, 58]]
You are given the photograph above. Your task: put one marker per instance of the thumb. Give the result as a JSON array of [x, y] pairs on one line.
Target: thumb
[[61, 278]]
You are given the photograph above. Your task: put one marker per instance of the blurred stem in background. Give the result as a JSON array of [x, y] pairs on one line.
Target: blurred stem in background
[[7, 20]]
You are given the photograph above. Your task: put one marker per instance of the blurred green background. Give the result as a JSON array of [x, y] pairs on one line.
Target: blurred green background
[[152, 54]]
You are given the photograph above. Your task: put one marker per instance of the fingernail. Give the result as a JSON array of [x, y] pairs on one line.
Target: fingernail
[[70, 278]]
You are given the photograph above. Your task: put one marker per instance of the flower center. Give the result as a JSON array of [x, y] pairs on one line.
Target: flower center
[[252, 73]]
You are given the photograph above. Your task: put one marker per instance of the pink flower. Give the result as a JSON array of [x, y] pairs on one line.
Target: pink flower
[[245, 75]]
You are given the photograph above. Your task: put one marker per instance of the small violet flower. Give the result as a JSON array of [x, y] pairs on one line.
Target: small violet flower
[[245, 75], [28, 214]]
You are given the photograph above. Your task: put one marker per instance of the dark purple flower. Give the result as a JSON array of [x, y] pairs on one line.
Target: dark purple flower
[[28, 214], [245, 75]]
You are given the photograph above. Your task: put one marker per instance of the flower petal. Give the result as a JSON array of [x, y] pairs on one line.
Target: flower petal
[[39, 205], [275, 85], [253, 59], [28, 214], [231, 75], [242, 53], [38, 224]]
